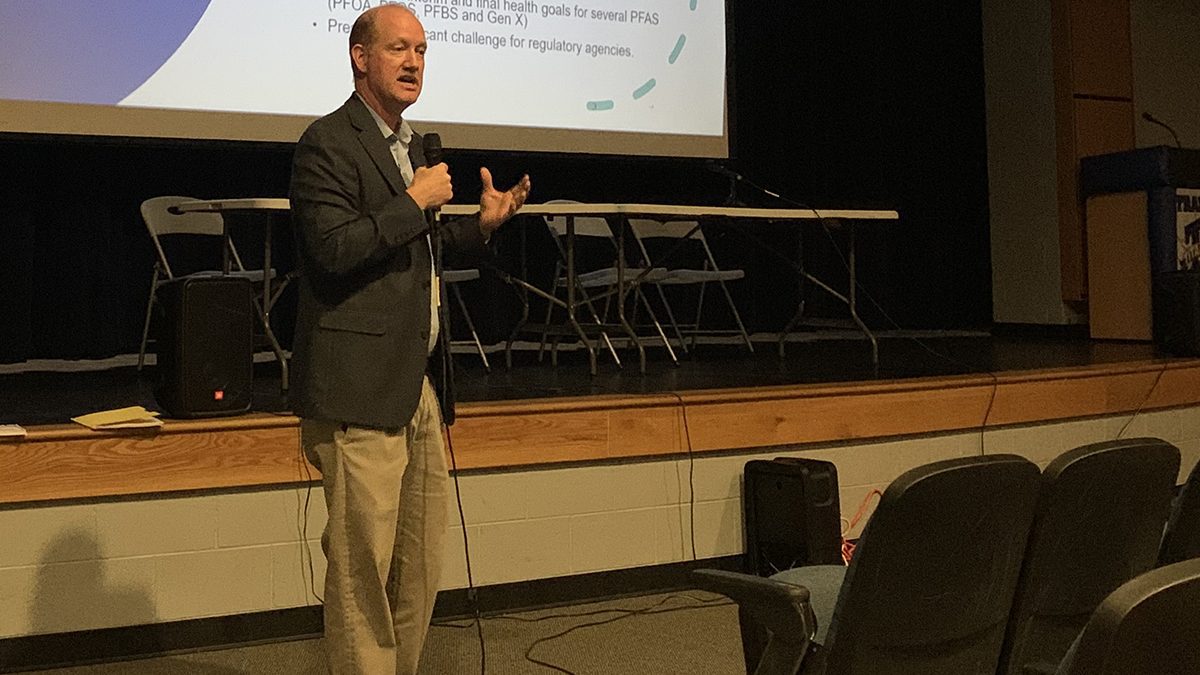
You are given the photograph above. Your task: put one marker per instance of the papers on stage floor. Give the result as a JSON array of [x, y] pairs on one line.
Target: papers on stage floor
[[12, 431], [133, 417]]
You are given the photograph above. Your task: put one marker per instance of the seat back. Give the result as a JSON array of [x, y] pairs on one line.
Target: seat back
[[161, 222], [686, 247], [599, 253], [585, 226], [1150, 624], [1099, 521], [931, 582], [645, 228], [1181, 541]]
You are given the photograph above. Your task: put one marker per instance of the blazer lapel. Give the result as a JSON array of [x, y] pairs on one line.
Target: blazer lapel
[[372, 141]]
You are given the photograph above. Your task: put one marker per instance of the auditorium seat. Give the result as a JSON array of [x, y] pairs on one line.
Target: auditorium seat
[[1181, 540], [1099, 521], [928, 589], [1150, 624]]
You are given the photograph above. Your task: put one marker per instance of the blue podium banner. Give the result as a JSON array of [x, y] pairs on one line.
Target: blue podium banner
[[1187, 229]]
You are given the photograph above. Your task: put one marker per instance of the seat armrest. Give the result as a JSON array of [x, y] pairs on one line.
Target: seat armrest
[[782, 608]]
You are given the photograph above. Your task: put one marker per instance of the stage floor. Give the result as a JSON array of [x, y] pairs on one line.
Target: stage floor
[[51, 393]]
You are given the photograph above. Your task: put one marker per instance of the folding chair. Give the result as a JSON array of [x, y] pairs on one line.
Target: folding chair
[[682, 270], [452, 278], [164, 225], [600, 260]]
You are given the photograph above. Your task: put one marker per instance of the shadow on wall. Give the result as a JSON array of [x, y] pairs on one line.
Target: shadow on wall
[[77, 589]]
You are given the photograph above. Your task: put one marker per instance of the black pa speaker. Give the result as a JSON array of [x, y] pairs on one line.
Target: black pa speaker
[[793, 514], [205, 346], [1176, 302]]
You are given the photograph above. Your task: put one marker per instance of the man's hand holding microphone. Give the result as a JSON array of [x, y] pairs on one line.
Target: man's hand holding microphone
[[432, 188]]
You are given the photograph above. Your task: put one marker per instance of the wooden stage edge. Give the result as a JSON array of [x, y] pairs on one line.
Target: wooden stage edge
[[66, 462]]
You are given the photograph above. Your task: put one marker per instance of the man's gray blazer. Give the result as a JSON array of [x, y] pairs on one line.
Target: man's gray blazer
[[362, 329]]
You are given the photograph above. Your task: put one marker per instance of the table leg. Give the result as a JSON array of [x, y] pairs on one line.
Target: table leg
[[621, 225], [571, 306], [265, 310], [853, 299]]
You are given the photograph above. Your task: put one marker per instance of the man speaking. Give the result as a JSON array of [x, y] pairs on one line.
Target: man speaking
[[368, 320]]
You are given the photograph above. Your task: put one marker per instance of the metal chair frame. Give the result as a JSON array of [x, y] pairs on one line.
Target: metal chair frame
[[161, 222], [682, 232]]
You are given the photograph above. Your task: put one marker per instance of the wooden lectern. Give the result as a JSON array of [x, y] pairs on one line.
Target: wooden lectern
[[1137, 202]]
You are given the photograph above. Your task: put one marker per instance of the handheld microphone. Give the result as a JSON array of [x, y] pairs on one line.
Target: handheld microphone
[[1154, 120], [432, 145]]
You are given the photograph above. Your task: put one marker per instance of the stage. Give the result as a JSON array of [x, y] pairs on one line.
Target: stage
[[721, 398]]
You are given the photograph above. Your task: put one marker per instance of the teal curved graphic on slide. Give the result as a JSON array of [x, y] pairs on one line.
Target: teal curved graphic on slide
[[644, 89], [85, 51], [678, 48], [608, 104]]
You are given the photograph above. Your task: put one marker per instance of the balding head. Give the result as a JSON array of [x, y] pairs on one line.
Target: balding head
[[365, 30], [387, 54]]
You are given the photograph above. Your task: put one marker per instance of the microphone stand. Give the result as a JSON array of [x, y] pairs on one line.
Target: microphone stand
[[1155, 121], [731, 197], [802, 275], [446, 390]]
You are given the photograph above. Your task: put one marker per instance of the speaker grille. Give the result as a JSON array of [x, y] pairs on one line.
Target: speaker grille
[[206, 347]]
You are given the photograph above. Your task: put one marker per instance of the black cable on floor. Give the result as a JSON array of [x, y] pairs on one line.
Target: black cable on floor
[[472, 592], [652, 609]]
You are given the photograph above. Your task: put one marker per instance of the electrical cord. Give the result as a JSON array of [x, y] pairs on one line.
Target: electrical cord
[[472, 592], [1145, 400], [691, 455], [472, 595], [624, 614], [305, 552], [847, 546], [477, 622], [621, 613]]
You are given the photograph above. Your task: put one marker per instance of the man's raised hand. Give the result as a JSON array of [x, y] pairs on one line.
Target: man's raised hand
[[496, 207]]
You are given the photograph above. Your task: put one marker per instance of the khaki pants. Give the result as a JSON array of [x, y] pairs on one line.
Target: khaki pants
[[386, 493]]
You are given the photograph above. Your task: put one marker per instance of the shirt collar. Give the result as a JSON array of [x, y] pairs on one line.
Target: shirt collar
[[404, 134]]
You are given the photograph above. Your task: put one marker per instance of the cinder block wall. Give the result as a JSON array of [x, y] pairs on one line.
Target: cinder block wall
[[116, 563]]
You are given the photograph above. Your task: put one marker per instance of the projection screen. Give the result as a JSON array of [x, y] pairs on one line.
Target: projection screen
[[586, 76]]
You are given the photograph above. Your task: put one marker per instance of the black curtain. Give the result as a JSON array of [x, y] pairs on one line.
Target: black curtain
[[853, 105]]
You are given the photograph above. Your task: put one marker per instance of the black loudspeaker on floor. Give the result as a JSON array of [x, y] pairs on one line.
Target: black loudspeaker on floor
[[205, 346], [793, 514]]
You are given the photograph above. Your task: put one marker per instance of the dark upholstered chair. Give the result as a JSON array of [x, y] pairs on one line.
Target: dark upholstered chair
[[928, 590], [1099, 521], [1150, 625], [1181, 541]]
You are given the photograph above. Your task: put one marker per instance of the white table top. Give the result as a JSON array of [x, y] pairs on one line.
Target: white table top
[[558, 209]]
